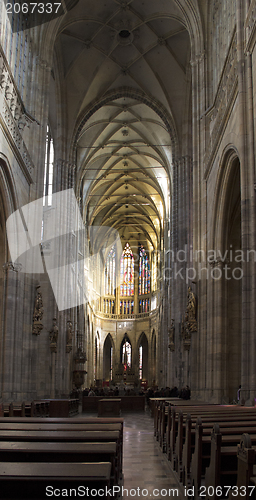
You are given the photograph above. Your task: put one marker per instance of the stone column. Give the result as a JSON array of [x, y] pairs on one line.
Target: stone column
[[198, 346], [180, 262], [11, 348], [247, 165]]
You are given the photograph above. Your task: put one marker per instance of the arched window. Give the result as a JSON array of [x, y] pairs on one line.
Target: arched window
[[143, 358], [108, 358], [140, 361], [127, 272], [127, 354], [144, 272], [110, 273], [96, 355]]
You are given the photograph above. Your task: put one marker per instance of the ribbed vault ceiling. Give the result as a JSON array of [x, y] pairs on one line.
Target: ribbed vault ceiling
[[124, 149]]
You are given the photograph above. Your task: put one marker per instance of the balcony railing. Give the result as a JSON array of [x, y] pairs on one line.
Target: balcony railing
[[126, 316]]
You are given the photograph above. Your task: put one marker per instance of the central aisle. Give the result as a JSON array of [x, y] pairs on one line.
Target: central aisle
[[145, 466]]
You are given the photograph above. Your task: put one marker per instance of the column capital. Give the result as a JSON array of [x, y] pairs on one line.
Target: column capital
[[10, 266]]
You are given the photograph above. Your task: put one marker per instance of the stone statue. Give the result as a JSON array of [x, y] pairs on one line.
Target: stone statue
[[38, 313], [191, 312], [53, 336], [191, 306], [69, 336], [171, 333], [186, 333]]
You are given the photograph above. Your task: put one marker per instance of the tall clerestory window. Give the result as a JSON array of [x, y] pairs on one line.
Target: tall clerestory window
[[48, 169], [110, 273], [144, 272], [154, 272], [127, 272]]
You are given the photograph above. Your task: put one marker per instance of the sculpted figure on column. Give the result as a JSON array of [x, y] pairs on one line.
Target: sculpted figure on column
[[191, 311], [38, 313], [69, 336], [53, 336], [171, 333]]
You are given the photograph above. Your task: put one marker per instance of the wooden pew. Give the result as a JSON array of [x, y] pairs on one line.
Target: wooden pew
[[29, 408], [7, 410], [65, 425], [161, 418], [246, 468], [185, 442], [176, 437], [41, 408], [17, 409], [222, 470], [180, 437], [201, 456], [19, 426], [175, 433], [128, 403], [66, 437], [32, 479], [12, 451], [56, 436], [63, 407]]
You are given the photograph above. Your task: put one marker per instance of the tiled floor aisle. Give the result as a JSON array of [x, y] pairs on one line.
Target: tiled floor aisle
[[144, 464]]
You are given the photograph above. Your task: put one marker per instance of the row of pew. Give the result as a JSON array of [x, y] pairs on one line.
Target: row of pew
[[42, 457], [40, 408], [211, 448]]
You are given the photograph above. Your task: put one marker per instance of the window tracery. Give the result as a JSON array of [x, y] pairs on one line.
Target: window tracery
[[144, 272], [127, 272], [110, 273]]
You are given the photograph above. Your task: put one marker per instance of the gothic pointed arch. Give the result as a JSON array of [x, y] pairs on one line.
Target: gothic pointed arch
[[226, 319], [126, 352], [108, 356], [153, 358], [143, 355]]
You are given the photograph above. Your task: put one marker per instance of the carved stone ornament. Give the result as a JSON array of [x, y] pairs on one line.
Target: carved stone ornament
[[80, 356], [171, 333], [69, 336], [191, 312], [53, 336], [10, 266], [185, 332], [78, 377], [38, 313]]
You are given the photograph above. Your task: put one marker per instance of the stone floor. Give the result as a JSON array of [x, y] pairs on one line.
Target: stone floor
[[145, 466]]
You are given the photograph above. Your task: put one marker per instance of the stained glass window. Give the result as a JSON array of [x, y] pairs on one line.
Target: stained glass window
[[110, 273], [144, 272], [127, 354], [154, 272], [144, 305], [127, 272]]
